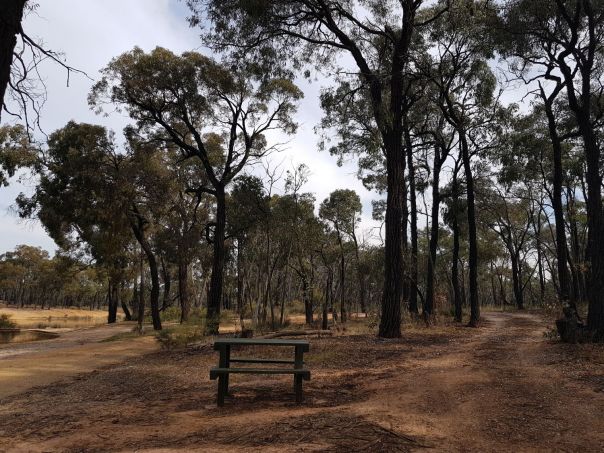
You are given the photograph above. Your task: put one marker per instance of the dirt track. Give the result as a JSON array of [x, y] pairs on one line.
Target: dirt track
[[25, 365], [499, 388]]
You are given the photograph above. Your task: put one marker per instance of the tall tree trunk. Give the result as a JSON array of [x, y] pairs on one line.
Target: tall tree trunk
[[139, 233], [413, 306], [516, 280], [11, 15], [216, 280], [343, 315], [558, 177], [183, 290], [141, 293], [390, 322], [112, 300], [457, 300], [167, 278], [472, 233], [428, 308], [360, 276], [124, 305]]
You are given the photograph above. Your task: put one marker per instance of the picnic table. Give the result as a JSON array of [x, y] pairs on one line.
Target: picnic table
[[224, 364]]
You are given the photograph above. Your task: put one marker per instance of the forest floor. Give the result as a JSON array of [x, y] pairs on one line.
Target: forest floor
[[503, 387]]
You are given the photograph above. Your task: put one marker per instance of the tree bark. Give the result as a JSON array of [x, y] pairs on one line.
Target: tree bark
[[183, 290], [413, 306], [558, 177], [11, 15], [457, 300], [216, 280], [390, 322], [428, 309], [472, 233]]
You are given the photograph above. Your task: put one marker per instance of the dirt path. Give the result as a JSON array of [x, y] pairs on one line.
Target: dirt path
[[504, 390], [499, 388], [25, 365]]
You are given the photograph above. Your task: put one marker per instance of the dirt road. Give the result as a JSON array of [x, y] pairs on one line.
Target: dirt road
[[502, 387], [25, 365]]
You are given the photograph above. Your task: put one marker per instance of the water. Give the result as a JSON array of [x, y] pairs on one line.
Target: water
[[23, 336]]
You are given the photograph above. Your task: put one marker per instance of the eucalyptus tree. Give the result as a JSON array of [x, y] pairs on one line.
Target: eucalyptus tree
[[79, 203], [321, 29], [561, 42], [208, 112], [342, 210], [466, 87]]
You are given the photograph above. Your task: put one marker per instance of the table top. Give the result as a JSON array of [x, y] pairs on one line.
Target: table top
[[260, 342]]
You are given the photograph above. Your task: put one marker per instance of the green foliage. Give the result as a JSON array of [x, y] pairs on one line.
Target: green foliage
[[6, 323], [180, 336]]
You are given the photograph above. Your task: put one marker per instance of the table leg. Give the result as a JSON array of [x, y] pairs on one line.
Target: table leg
[[227, 364], [222, 378], [298, 364]]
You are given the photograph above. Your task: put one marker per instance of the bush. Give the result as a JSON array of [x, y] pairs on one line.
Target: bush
[[6, 323], [180, 336]]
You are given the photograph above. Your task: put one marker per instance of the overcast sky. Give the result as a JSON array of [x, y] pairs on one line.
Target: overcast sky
[[90, 33]]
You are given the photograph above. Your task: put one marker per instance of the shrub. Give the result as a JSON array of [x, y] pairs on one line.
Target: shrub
[[179, 336], [6, 323]]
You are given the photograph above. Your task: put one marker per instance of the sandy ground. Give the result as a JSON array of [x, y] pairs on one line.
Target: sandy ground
[[61, 317], [26, 365], [503, 387]]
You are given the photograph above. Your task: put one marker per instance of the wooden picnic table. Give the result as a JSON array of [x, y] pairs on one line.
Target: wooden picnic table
[[224, 363]]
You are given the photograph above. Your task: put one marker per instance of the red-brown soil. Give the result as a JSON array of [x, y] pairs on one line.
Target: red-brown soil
[[503, 387]]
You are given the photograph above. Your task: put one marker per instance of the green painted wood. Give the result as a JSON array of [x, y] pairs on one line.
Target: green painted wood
[[253, 360], [217, 372], [223, 342]]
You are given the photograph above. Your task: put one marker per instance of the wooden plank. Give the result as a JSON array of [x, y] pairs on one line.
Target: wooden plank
[[217, 372], [218, 344], [253, 360]]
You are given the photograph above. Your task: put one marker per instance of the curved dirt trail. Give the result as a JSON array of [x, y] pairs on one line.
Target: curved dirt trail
[[502, 390]]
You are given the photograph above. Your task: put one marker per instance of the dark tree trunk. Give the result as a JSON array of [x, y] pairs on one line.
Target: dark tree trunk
[[428, 308], [112, 300], [139, 233], [413, 306], [307, 296], [11, 15], [125, 308], [516, 280], [343, 314], [472, 234], [390, 322], [361, 277], [216, 280], [558, 176], [183, 290], [141, 293], [457, 300], [166, 302]]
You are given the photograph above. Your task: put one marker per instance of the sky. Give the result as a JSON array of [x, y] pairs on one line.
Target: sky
[[90, 33]]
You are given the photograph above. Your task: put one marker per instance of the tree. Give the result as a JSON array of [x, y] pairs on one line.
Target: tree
[[561, 40], [343, 209], [78, 202], [322, 28], [208, 112]]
